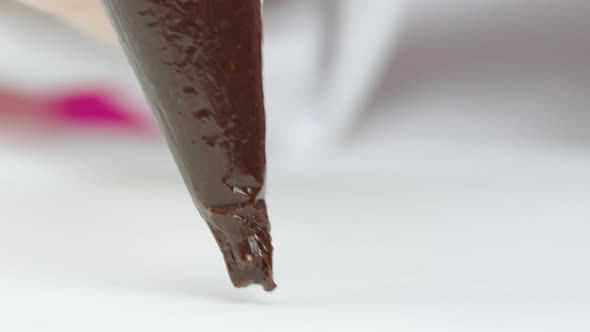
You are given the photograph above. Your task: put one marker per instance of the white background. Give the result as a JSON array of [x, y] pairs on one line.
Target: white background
[[459, 202]]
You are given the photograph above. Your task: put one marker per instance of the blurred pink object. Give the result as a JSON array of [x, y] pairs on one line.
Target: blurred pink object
[[94, 109], [97, 109]]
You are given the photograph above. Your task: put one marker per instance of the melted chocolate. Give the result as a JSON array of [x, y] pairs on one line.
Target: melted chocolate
[[199, 62]]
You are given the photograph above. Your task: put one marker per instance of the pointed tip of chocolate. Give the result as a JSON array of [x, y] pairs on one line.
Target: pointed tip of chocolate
[[243, 236], [239, 281], [253, 270], [269, 286]]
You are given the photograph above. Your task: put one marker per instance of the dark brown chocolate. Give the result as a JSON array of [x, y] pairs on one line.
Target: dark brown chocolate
[[200, 65]]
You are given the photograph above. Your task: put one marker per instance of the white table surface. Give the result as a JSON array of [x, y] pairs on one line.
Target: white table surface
[[433, 239]]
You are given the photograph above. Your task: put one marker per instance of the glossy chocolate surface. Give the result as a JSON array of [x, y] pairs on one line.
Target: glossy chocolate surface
[[199, 62]]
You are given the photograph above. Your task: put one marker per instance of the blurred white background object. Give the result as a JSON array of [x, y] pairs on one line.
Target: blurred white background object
[[320, 74], [458, 200]]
